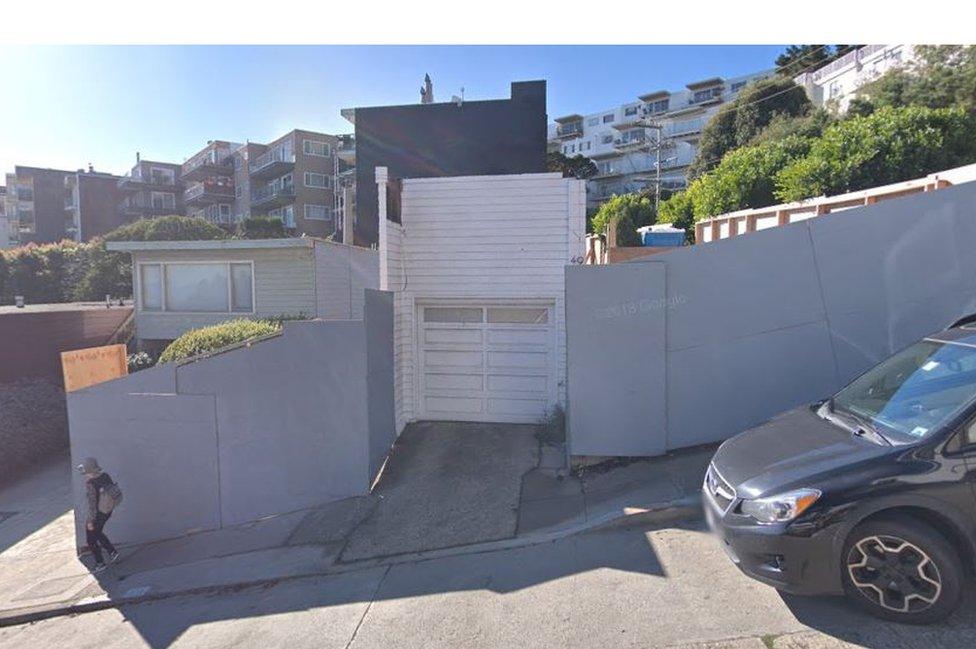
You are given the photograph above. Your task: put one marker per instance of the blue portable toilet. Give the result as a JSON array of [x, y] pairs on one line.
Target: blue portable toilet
[[662, 235]]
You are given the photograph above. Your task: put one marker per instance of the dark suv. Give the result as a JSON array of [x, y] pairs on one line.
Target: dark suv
[[871, 492]]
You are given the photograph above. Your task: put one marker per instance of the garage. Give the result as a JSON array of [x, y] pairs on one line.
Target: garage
[[486, 362]]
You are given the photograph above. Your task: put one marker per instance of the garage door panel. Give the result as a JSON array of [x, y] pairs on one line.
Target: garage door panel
[[442, 358], [537, 383], [443, 381], [500, 367], [519, 337], [454, 405], [453, 336], [518, 359]]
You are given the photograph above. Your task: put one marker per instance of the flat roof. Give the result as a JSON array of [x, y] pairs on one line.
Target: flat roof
[[64, 306], [705, 83], [212, 244], [651, 96], [575, 117]]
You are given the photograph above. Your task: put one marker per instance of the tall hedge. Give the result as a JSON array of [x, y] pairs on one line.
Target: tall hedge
[[890, 145]]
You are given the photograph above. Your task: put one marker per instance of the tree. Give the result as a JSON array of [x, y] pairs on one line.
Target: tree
[[741, 120], [942, 76], [890, 145], [626, 212], [261, 227], [578, 166], [800, 58], [679, 212]]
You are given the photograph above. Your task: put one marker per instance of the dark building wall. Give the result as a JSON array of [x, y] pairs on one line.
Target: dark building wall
[[41, 336], [98, 201], [313, 195], [502, 136], [49, 213]]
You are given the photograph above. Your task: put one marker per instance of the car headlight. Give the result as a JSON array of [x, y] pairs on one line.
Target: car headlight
[[781, 507]]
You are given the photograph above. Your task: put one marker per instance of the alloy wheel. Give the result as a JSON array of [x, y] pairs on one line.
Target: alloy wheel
[[894, 573]]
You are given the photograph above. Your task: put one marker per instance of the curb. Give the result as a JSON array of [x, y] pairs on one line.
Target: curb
[[686, 508]]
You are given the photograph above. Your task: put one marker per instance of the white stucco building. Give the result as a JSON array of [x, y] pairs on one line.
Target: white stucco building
[[835, 84], [618, 143]]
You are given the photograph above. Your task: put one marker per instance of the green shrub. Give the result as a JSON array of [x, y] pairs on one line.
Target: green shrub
[[679, 212], [890, 145], [208, 339], [629, 212], [167, 228], [261, 227]]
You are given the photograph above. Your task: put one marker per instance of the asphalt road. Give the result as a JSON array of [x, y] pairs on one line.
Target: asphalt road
[[623, 588]]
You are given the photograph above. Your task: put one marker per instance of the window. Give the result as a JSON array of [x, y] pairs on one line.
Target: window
[[162, 176], [316, 212], [313, 179], [659, 106], [163, 200], [197, 287], [608, 118], [592, 121], [705, 95], [585, 145], [630, 110], [151, 281], [286, 214], [513, 315], [314, 147]]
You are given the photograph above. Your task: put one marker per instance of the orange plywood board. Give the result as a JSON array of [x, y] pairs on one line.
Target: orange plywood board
[[85, 367]]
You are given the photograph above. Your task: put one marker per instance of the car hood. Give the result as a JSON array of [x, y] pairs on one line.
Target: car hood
[[791, 450]]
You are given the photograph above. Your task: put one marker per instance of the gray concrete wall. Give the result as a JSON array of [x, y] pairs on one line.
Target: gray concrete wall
[[288, 423], [758, 324]]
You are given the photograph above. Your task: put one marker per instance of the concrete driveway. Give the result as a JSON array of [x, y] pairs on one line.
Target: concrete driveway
[[447, 484]]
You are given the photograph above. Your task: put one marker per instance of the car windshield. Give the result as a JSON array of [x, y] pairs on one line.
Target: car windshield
[[914, 392]]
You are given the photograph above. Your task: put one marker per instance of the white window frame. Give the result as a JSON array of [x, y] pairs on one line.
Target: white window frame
[[328, 182], [325, 212], [308, 148], [137, 279], [152, 200]]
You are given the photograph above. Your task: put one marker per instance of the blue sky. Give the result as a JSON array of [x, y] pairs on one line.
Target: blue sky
[[67, 106]]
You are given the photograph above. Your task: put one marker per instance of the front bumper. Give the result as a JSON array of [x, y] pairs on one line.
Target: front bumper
[[795, 561]]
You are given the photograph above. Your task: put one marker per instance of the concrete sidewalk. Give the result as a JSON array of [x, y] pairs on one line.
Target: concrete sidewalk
[[430, 505]]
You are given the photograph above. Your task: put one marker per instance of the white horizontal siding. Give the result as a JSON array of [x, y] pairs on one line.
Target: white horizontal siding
[[283, 285], [481, 238]]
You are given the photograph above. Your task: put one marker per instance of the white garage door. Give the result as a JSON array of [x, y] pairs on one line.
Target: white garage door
[[486, 362]]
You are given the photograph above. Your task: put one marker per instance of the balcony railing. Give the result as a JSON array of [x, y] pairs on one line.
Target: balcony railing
[[272, 195], [272, 164], [203, 193], [214, 163], [136, 181], [574, 129], [687, 127]]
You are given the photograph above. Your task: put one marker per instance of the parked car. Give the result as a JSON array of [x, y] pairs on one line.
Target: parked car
[[870, 493]]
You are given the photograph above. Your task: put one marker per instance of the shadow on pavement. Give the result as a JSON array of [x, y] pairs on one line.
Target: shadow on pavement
[[838, 617], [348, 595]]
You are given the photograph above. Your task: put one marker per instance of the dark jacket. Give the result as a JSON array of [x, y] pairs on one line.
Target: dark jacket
[[93, 489]]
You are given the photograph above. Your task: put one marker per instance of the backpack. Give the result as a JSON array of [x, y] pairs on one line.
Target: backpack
[[109, 497]]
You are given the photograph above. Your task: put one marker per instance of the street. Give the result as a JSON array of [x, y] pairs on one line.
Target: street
[[620, 588]]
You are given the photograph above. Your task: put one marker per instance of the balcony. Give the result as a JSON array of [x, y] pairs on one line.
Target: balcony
[[206, 166], [685, 129], [272, 164], [136, 182], [569, 131], [630, 140], [346, 150], [209, 193], [272, 196], [138, 210]]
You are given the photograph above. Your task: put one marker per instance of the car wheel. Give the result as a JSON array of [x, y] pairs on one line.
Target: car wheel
[[902, 570]]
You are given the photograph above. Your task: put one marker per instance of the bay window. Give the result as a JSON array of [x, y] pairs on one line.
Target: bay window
[[197, 287]]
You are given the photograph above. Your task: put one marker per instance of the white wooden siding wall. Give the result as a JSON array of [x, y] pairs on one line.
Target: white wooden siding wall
[[283, 284], [341, 274], [482, 237]]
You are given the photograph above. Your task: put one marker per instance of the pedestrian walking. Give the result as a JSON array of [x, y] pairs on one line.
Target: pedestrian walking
[[104, 495]]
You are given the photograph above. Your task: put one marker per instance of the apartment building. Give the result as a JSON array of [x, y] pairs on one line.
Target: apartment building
[[36, 205], [627, 141], [91, 201], [5, 231], [836, 84], [293, 179], [150, 189]]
